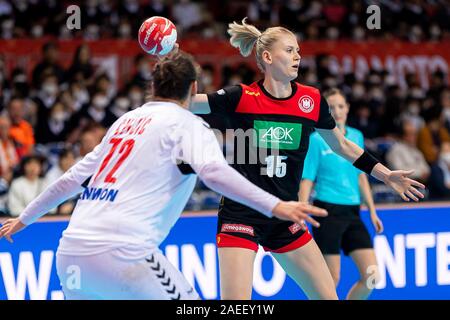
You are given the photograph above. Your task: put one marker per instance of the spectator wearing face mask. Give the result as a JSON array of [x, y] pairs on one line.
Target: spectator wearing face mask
[[48, 65], [404, 154], [103, 84], [412, 110], [444, 101], [46, 96], [81, 69], [143, 71], [119, 107], [95, 112], [53, 128]]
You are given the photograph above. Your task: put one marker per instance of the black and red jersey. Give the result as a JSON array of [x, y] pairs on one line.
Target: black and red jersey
[[276, 145]]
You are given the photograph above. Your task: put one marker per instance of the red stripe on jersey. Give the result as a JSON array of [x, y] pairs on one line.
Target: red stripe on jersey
[[305, 103]]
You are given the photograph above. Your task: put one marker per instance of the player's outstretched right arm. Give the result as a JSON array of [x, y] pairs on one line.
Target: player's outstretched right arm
[[200, 105], [67, 186]]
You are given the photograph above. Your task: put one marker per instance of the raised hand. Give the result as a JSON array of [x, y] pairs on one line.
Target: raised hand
[[298, 212]]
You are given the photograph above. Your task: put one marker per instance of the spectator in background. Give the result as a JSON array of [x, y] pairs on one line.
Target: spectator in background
[[262, 12], [432, 135], [94, 112], [120, 106], [143, 71], [26, 187], [157, 8], [444, 101], [98, 131], [404, 154], [65, 161], [136, 96], [3, 81], [363, 121], [103, 85], [411, 111], [88, 141], [46, 96], [79, 94], [81, 69], [55, 127], [49, 64], [8, 154], [206, 81], [19, 85], [439, 184], [21, 131], [290, 14], [187, 14]]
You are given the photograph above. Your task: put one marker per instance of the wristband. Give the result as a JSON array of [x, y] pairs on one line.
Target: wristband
[[366, 162]]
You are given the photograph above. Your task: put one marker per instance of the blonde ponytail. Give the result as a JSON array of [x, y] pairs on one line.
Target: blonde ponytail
[[246, 36], [243, 36]]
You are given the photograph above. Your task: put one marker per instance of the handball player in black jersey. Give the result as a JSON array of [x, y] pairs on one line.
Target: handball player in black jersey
[[278, 115]]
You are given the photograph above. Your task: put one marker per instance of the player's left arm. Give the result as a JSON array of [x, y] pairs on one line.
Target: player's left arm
[[397, 180]]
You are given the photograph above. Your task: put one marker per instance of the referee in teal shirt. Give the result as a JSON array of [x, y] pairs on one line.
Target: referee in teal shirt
[[337, 185]]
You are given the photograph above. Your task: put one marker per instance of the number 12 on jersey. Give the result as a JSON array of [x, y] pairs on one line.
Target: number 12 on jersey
[[124, 151]]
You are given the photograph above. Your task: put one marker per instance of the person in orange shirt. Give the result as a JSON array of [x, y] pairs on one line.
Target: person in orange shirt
[[8, 154], [21, 131], [433, 134]]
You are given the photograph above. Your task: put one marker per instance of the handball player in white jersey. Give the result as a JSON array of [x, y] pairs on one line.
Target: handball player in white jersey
[[134, 186]]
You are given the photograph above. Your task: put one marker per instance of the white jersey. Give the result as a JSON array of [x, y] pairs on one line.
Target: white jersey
[[136, 191]]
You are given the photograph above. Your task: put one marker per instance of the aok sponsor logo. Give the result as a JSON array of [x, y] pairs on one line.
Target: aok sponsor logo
[[277, 135]]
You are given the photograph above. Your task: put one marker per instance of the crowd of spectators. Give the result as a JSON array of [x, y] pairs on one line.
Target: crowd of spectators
[[412, 20]]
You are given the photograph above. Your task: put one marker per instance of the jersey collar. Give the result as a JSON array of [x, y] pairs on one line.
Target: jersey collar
[[266, 93]]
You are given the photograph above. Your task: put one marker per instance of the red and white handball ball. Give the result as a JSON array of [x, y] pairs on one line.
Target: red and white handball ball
[[157, 35]]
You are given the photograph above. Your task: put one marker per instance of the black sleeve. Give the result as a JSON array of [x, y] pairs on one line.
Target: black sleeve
[[326, 120], [225, 101]]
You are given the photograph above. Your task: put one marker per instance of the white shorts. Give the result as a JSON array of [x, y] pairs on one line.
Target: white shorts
[[113, 276]]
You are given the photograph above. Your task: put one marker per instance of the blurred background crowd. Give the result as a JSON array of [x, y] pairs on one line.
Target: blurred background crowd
[[412, 20], [51, 117]]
